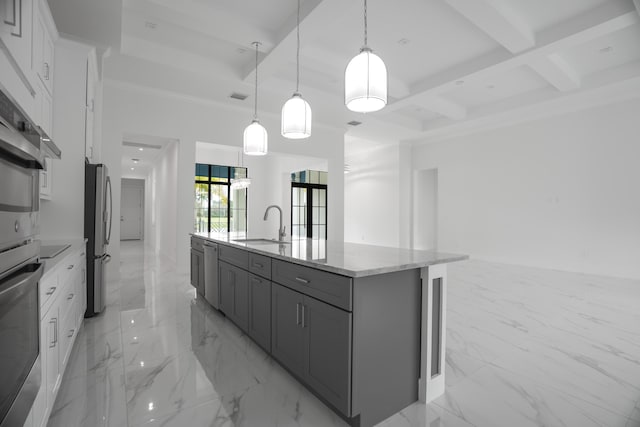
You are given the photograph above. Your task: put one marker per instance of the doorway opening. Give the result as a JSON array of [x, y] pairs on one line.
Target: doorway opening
[[132, 209], [309, 204]]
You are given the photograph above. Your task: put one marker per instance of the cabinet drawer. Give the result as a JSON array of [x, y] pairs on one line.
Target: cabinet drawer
[[332, 288], [237, 257], [260, 265], [197, 244]]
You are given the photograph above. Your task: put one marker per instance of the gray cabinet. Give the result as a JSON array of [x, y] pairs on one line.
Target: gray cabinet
[[260, 311], [313, 340], [197, 270], [327, 352], [234, 289], [287, 335]]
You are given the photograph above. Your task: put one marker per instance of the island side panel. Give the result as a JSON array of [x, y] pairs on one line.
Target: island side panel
[[386, 344]]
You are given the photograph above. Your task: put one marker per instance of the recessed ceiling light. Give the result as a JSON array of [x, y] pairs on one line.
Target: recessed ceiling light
[[135, 160], [459, 82], [606, 49], [140, 149], [132, 169], [403, 42]]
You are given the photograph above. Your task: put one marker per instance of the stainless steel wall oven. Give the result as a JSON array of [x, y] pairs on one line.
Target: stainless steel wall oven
[[20, 271]]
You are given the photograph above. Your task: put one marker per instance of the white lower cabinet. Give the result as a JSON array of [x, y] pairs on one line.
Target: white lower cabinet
[[62, 307]]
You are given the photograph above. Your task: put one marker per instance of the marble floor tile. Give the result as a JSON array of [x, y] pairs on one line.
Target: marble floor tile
[[525, 347], [494, 397]]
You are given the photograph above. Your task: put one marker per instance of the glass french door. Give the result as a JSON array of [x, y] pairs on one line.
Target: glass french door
[[308, 210]]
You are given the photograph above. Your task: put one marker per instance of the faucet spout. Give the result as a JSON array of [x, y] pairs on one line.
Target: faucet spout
[[281, 231]]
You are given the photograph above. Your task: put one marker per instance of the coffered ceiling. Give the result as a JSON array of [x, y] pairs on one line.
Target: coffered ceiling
[[454, 66]]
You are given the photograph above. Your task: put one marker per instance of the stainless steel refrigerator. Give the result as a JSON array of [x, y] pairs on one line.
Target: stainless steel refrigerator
[[98, 207]]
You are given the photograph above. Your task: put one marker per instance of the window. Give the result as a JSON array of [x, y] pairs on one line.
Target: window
[[309, 204], [218, 207]]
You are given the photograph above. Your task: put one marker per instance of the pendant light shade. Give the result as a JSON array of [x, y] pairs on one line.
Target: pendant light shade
[[255, 139], [296, 118], [365, 79], [365, 83], [296, 112], [255, 135]]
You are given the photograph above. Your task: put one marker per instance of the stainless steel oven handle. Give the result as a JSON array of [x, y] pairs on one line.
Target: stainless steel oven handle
[[16, 286]]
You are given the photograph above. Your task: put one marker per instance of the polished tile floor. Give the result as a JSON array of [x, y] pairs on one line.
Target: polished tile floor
[[526, 347]]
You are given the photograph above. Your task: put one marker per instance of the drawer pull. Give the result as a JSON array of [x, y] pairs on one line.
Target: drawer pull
[[70, 297], [71, 332], [297, 313], [51, 290], [70, 267], [301, 280], [257, 264]]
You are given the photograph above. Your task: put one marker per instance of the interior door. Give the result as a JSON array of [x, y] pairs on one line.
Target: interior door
[[131, 213]]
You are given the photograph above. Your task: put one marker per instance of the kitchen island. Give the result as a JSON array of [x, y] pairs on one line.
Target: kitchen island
[[363, 327]]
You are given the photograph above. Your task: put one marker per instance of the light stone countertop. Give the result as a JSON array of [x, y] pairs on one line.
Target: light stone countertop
[[347, 259], [76, 244]]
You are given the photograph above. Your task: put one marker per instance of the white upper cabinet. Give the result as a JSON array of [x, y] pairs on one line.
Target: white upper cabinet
[[16, 26], [43, 49]]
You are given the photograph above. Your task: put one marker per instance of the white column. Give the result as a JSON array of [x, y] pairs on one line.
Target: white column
[[433, 332]]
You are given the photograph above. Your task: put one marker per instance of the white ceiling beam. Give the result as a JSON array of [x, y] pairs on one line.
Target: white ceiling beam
[[506, 27], [218, 25], [601, 88], [612, 16], [557, 71], [442, 106], [499, 21], [314, 15], [315, 57]]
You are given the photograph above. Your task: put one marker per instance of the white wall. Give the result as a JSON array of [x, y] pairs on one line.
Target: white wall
[[372, 193], [560, 193], [62, 217], [163, 210], [147, 112]]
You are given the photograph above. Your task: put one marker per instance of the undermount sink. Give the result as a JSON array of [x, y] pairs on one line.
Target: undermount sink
[[261, 241]]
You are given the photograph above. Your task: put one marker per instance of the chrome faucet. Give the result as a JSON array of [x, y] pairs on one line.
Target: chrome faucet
[[281, 231]]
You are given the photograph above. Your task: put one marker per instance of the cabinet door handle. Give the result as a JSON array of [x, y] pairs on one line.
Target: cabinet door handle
[[70, 297], [46, 71], [297, 313], [257, 264], [54, 322], [304, 314], [301, 280], [51, 290], [70, 267], [71, 332], [13, 21]]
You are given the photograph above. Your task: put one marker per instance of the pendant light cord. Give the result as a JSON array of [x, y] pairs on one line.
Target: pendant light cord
[[298, 51], [255, 107], [365, 23]]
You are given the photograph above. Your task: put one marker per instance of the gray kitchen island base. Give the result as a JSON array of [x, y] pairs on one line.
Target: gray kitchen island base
[[363, 327]]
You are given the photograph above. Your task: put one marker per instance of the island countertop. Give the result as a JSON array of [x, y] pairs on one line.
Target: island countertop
[[347, 259]]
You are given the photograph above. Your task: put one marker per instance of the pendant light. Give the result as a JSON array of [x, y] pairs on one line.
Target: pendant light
[[296, 113], [365, 79], [255, 135], [239, 182]]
